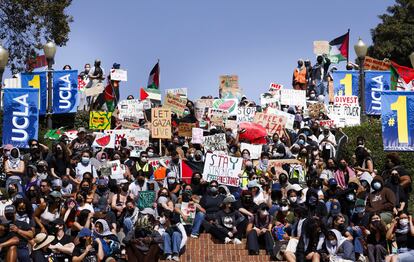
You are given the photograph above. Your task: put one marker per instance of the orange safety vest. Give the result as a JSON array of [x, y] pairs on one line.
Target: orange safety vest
[[300, 76]]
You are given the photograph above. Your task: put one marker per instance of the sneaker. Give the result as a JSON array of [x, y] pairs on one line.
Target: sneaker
[[227, 240], [193, 236], [169, 257], [237, 241], [175, 258]]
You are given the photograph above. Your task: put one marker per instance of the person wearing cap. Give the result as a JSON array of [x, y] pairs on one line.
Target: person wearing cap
[[41, 251], [259, 231], [80, 143], [62, 246], [102, 195], [87, 249], [48, 211], [173, 184], [229, 223]]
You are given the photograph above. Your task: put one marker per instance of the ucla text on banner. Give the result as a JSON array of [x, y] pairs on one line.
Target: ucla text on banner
[[37, 80], [345, 83], [375, 83], [21, 116], [65, 91], [397, 117]]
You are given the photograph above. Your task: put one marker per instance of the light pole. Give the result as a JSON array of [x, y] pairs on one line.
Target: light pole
[[361, 51], [412, 59], [50, 50], [4, 58]]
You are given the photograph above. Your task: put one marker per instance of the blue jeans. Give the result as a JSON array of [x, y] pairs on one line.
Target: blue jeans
[[198, 220], [320, 87], [23, 254], [128, 225], [357, 235], [172, 243]]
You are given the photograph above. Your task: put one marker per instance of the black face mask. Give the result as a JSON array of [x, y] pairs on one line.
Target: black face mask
[[82, 241], [11, 191], [176, 160], [125, 188], [65, 183], [85, 189], [31, 194], [341, 227], [21, 213], [196, 180], [197, 157]]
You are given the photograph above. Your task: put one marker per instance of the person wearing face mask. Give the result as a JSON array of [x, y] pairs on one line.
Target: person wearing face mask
[[87, 249], [143, 166], [171, 182], [381, 200], [393, 162], [101, 197], [263, 164], [211, 202], [198, 185], [175, 163], [248, 171], [131, 215], [13, 165], [140, 184], [48, 211], [85, 166], [344, 174], [312, 96], [67, 187], [62, 246], [299, 81], [315, 206], [119, 199], [402, 232], [401, 199], [59, 160], [337, 248], [376, 238], [259, 231]]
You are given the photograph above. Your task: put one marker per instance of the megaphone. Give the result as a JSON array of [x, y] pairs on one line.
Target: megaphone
[[35, 82]]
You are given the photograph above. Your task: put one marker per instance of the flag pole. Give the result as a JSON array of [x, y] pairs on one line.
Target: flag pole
[[347, 57]]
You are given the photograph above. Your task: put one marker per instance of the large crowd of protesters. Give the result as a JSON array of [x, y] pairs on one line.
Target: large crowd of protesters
[[56, 205]]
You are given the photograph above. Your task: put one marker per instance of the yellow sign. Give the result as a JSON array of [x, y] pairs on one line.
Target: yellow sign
[[100, 120]]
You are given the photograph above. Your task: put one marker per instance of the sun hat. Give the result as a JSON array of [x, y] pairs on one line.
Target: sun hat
[[41, 240]]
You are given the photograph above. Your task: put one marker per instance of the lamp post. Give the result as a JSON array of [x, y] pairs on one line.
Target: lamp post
[[361, 51], [412, 59], [4, 58], [50, 50]]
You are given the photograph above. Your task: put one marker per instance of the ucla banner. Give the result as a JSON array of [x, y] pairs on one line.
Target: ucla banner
[[65, 91], [21, 116], [345, 83], [375, 83], [397, 109], [37, 80]]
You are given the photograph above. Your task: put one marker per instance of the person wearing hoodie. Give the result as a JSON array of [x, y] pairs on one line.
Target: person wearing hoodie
[[343, 174], [381, 200], [337, 248], [14, 166], [110, 242]]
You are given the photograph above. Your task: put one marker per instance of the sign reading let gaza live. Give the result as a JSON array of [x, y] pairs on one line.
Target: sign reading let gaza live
[[21, 116], [375, 83], [65, 90]]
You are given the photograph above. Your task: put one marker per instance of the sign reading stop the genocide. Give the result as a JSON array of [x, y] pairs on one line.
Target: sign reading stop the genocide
[[161, 123]]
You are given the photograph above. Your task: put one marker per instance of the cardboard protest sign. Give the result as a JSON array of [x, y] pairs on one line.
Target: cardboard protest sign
[[344, 115], [146, 199], [161, 123], [132, 109], [95, 89], [277, 164], [217, 117], [229, 105], [138, 138], [346, 101], [100, 120], [175, 103], [126, 124], [181, 92], [375, 64], [293, 97], [201, 107], [229, 87], [186, 129], [104, 141], [270, 99], [316, 108], [113, 170], [290, 118], [275, 87], [189, 210], [119, 75], [328, 123], [223, 168], [119, 135], [255, 150], [246, 114], [272, 123], [197, 135], [215, 142], [321, 47]]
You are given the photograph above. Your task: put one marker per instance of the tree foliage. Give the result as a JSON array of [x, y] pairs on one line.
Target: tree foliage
[[394, 37], [25, 25]]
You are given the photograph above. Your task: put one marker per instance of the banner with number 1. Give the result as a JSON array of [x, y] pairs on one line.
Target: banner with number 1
[[345, 83], [397, 117]]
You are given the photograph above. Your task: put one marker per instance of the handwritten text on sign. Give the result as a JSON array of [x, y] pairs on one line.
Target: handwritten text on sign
[[161, 123], [225, 169], [272, 123]]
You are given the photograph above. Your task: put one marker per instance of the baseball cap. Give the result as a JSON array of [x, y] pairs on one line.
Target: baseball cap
[[81, 129], [9, 209]]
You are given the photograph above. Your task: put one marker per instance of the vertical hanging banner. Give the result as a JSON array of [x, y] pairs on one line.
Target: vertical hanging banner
[[65, 91], [345, 83], [21, 116], [375, 83], [397, 116], [37, 80]]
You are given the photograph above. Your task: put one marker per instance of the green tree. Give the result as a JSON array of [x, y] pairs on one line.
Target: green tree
[[25, 25], [394, 37]]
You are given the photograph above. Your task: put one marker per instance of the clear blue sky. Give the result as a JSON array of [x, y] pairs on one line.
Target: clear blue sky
[[196, 41]]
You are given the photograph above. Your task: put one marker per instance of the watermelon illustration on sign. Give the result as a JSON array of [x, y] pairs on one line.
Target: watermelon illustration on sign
[[226, 104], [104, 141]]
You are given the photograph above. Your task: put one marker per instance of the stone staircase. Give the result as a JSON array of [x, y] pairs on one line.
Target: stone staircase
[[207, 249]]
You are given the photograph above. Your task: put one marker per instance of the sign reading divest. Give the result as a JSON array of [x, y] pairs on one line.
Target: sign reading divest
[[161, 123], [225, 169], [65, 91], [215, 142], [272, 123], [375, 83], [21, 116]]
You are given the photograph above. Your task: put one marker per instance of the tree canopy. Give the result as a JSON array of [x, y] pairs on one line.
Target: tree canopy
[[25, 25], [394, 37]]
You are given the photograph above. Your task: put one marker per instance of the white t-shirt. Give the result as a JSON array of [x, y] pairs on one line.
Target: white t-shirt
[[81, 169]]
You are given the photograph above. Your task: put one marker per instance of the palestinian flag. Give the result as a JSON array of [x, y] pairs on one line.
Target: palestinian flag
[[338, 50], [402, 78], [154, 77], [152, 94], [188, 168]]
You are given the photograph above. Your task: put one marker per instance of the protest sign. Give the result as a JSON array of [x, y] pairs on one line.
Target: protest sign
[[277, 164], [155, 162], [344, 115], [217, 117], [201, 107], [270, 99], [65, 91], [138, 138], [175, 103], [132, 109], [375, 83], [290, 118], [255, 150], [321, 47], [316, 108], [36, 80], [181, 92], [161, 123], [95, 90], [275, 87], [346, 101], [272, 123], [197, 135], [229, 87], [185, 129], [226, 104], [119, 135], [328, 123], [119, 75], [223, 168], [375, 64], [20, 116], [189, 210], [293, 97], [104, 140], [117, 172], [129, 124], [397, 117], [345, 83], [146, 199], [100, 120], [215, 142], [245, 114]]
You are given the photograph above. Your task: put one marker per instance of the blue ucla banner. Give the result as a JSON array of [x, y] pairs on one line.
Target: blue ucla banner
[[397, 109], [21, 116], [375, 83], [65, 91], [37, 80], [345, 83]]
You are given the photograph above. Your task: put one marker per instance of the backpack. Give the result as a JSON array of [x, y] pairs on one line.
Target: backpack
[[296, 174]]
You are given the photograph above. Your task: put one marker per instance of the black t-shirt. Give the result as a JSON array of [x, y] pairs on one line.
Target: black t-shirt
[[90, 257], [211, 203], [23, 226], [59, 165], [60, 257]]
